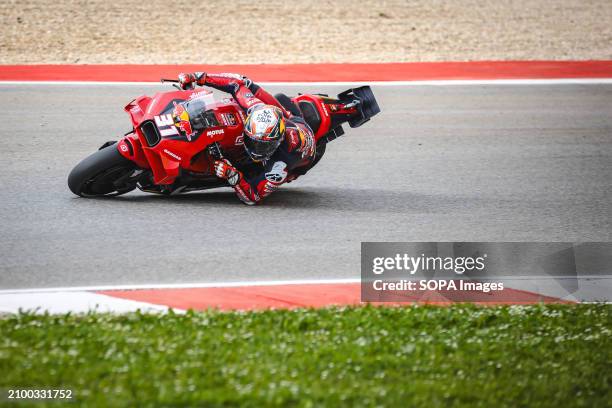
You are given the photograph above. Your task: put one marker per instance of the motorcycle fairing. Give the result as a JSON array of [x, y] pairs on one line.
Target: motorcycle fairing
[[172, 151]]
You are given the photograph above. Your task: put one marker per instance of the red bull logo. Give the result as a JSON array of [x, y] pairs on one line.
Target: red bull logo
[[181, 120]]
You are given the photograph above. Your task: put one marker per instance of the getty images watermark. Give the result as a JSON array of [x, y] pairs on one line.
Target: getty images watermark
[[477, 271], [422, 263]]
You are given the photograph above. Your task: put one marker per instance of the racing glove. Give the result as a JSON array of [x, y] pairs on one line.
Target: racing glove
[[225, 170], [189, 81]]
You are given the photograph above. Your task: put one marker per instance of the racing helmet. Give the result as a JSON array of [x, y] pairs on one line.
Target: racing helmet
[[264, 131]]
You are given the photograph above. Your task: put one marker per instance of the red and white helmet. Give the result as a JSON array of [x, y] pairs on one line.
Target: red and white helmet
[[264, 131]]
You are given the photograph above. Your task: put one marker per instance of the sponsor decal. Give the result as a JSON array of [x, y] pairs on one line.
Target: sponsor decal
[[165, 124], [173, 155], [239, 140], [264, 115], [278, 173], [182, 118], [248, 95], [228, 119], [123, 148], [198, 94], [325, 109], [228, 75], [212, 133], [263, 120], [307, 146], [294, 140]]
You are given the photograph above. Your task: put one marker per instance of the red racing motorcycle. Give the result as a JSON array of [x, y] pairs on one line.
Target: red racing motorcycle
[[155, 157]]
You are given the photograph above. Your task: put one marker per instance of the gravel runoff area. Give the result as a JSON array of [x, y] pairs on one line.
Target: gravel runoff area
[[214, 31]]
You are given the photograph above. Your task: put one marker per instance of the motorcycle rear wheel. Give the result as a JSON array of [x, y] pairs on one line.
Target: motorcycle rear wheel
[[104, 173]]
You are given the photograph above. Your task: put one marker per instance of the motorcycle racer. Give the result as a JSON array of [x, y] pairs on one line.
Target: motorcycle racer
[[277, 138]]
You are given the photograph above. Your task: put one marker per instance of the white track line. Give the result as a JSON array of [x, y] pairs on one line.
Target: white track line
[[181, 285], [237, 284], [458, 82]]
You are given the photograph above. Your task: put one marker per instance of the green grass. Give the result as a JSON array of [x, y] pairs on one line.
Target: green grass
[[366, 356]]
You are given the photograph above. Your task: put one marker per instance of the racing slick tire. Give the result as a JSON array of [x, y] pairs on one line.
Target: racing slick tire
[[104, 173]]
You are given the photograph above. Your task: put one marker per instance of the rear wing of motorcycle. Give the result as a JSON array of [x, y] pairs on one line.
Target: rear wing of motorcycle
[[364, 101]]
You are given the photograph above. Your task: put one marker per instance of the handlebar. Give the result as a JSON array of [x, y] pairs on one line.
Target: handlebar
[[174, 83]]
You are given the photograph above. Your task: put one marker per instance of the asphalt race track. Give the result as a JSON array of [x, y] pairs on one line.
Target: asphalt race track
[[440, 163]]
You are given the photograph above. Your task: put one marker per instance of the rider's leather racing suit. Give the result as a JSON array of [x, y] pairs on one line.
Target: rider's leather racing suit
[[297, 151]]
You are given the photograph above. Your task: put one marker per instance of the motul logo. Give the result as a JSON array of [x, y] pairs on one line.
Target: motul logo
[[212, 133]]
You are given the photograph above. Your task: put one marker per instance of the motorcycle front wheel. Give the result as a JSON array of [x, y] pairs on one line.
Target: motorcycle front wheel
[[104, 173]]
